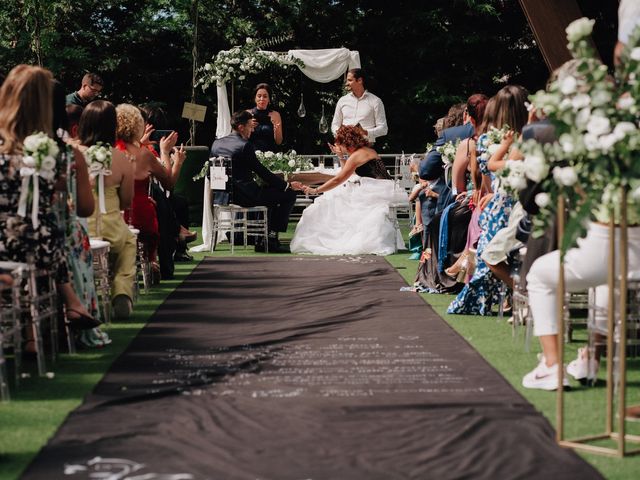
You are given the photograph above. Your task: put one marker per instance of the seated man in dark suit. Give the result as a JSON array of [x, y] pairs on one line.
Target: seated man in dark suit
[[432, 169], [277, 194]]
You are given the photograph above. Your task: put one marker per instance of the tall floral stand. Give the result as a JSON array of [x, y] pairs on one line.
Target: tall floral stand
[[615, 426]]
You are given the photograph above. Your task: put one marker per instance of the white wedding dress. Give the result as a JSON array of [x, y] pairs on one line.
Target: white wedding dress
[[351, 219]]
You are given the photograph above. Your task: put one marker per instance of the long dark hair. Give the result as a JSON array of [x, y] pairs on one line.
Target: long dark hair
[[98, 123]]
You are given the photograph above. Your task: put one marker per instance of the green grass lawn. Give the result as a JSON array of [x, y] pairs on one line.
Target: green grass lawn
[[40, 405]]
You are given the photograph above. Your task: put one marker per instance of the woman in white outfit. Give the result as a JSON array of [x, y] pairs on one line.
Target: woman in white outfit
[[584, 267], [352, 217]]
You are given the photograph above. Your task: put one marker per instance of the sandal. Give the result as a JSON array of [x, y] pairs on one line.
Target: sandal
[[81, 321]]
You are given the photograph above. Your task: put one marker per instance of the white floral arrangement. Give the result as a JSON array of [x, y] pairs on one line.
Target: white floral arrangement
[[285, 163], [240, 61], [99, 158], [597, 154], [39, 160], [448, 152]]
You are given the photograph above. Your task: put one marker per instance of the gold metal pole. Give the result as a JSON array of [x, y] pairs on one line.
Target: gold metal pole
[[560, 313], [622, 346], [610, 322]]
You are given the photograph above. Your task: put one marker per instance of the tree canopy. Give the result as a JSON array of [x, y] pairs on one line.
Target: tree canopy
[[421, 57]]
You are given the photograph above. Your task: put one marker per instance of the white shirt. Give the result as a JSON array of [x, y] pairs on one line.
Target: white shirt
[[628, 18], [368, 111]]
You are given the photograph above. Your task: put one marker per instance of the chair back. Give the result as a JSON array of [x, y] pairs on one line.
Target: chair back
[[220, 180]]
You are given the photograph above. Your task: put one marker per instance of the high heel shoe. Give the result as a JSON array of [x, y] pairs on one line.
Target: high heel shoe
[[81, 321], [454, 270]]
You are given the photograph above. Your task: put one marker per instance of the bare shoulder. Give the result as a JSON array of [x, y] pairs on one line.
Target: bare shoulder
[[117, 155]]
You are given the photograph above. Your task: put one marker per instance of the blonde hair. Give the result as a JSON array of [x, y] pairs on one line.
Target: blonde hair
[[26, 106], [130, 123]]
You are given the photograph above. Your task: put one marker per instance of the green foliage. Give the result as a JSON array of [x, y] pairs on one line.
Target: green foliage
[[420, 57]]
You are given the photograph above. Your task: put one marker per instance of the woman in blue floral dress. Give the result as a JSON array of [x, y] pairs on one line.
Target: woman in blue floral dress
[[479, 295]]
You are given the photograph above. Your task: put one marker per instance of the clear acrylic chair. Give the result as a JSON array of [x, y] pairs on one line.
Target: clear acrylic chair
[[10, 326], [100, 251], [229, 217]]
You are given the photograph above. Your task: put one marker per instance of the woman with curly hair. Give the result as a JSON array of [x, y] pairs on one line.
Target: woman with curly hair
[[352, 217]]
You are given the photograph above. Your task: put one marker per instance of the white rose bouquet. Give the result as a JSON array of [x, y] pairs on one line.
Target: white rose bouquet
[[240, 61], [99, 158], [598, 147], [448, 152], [39, 160], [285, 163]]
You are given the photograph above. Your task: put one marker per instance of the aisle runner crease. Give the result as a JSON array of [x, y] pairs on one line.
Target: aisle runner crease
[[302, 368]]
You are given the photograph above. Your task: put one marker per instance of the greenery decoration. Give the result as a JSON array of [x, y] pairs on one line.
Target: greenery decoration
[[597, 155], [240, 61]]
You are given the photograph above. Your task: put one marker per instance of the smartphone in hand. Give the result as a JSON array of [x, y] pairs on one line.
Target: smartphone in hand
[[156, 135]]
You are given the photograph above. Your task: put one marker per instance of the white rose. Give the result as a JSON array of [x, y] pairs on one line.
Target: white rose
[[536, 168], [579, 29], [568, 85], [100, 155], [31, 143], [208, 67], [292, 163], [268, 154], [598, 125], [565, 176], [249, 40], [542, 199], [622, 128], [566, 142], [53, 148], [580, 101], [29, 161], [258, 152], [493, 148], [517, 182], [516, 167], [48, 163], [635, 54], [608, 141], [626, 102], [590, 141], [293, 152], [582, 118]]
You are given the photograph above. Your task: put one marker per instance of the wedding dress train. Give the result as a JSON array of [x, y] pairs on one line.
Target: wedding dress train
[[351, 219]]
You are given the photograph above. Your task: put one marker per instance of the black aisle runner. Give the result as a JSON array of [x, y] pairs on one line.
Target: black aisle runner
[[296, 368]]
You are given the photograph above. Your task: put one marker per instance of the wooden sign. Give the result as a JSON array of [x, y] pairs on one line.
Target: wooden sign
[[193, 111]]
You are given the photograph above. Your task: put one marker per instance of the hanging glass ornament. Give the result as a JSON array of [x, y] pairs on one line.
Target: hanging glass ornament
[[301, 110], [323, 126]]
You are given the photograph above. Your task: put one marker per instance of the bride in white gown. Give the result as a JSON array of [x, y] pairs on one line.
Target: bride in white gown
[[352, 217]]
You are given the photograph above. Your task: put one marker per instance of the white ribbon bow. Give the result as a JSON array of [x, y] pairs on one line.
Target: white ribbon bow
[[27, 174], [101, 200]]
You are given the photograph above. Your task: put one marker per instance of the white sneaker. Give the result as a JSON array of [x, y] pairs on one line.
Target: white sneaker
[[582, 368], [543, 377]]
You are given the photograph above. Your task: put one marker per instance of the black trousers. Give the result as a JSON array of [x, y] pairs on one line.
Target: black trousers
[[280, 203]]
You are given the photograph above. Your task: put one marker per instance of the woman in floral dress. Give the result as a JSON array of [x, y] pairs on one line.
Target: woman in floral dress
[[477, 297], [26, 108]]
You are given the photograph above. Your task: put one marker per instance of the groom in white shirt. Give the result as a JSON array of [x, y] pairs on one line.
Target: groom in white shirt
[[360, 107]]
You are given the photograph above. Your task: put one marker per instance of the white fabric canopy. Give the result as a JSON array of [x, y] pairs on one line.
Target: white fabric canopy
[[324, 65]]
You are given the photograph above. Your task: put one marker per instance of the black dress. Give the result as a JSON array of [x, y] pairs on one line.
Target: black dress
[[262, 137]]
